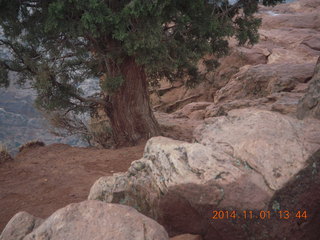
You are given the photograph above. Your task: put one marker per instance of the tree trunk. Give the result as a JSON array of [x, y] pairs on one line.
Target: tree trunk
[[129, 110]]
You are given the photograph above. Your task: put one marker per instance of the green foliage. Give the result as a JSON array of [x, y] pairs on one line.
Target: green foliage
[[4, 154], [101, 132], [58, 43], [211, 64], [31, 144], [248, 30], [111, 84]]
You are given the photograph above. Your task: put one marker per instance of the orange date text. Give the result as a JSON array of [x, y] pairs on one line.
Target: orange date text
[[250, 215]]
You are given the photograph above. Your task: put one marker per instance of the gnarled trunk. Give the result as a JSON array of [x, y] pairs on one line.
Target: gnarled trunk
[[129, 109]]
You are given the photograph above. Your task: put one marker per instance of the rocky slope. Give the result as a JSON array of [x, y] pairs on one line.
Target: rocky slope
[[250, 150], [238, 162], [272, 75]]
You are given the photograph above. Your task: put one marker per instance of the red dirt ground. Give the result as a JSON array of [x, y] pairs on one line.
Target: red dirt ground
[[44, 179]]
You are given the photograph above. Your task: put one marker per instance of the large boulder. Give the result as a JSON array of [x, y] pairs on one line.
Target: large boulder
[[238, 162], [283, 102], [237, 58], [262, 80], [19, 226], [290, 45], [289, 56], [95, 220], [300, 200], [310, 103]]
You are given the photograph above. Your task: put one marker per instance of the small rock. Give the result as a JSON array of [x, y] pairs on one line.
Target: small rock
[[187, 237], [19, 226]]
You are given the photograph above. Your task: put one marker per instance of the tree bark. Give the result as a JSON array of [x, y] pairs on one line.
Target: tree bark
[[129, 110]]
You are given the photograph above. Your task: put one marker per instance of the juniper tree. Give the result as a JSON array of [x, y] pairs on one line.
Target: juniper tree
[[56, 44]]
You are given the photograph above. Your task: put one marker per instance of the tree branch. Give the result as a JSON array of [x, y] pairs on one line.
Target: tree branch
[[78, 97], [17, 52]]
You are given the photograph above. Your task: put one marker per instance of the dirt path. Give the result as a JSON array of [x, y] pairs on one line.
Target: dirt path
[[44, 179]]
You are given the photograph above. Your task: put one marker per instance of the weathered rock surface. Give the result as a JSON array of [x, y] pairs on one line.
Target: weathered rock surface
[[187, 237], [310, 103], [95, 220], [262, 140], [291, 32], [230, 65], [170, 97], [19, 226], [238, 162], [178, 127], [254, 82], [267, 87], [283, 102], [310, 20], [290, 45], [300, 195]]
